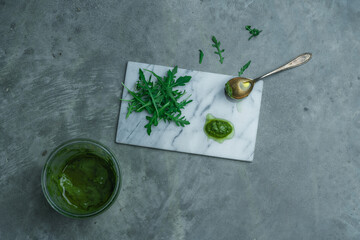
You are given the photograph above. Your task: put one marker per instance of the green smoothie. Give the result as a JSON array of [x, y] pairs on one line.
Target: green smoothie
[[86, 182]]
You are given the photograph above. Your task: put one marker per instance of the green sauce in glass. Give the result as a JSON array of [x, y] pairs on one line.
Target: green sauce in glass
[[218, 129], [86, 182]]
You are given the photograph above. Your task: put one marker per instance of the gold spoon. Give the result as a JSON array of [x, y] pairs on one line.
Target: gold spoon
[[239, 87]]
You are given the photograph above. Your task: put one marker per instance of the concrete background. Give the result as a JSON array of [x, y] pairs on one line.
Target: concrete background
[[61, 68]]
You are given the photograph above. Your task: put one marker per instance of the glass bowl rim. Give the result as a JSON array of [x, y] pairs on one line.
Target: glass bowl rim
[[113, 195]]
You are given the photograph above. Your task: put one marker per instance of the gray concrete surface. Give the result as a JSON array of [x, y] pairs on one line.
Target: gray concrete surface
[[61, 68]]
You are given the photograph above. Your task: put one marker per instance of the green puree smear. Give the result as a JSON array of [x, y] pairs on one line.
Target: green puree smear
[[86, 182], [218, 129]]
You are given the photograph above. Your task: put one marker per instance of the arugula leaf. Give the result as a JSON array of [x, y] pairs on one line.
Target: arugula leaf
[[174, 71], [136, 97], [201, 56], [157, 77], [217, 46], [254, 32], [178, 121], [150, 123], [159, 99], [147, 87], [242, 70], [181, 81], [130, 108]]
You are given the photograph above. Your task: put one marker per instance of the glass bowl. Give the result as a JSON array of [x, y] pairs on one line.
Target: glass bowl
[[81, 178]]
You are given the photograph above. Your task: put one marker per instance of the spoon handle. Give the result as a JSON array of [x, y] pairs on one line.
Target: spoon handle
[[299, 60]]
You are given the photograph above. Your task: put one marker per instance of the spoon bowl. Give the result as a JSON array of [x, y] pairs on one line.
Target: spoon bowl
[[239, 87]]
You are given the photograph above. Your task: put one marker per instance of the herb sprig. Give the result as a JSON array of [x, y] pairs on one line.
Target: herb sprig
[[201, 56], [217, 46], [242, 70], [254, 32], [159, 99]]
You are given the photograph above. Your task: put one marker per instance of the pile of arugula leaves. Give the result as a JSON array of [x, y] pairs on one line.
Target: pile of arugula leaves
[[159, 98]]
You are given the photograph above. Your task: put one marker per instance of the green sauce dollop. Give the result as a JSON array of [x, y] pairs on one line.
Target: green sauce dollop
[[218, 129], [86, 182]]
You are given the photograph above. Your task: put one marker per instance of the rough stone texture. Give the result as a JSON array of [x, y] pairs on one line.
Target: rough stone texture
[[61, 68]]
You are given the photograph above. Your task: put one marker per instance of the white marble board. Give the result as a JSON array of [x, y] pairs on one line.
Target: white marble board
[[207, 93]]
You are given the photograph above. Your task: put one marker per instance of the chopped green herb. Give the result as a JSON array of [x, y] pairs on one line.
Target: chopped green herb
[[242, 70], [201, 56], [159, 99], [217, 46], [218, 129], [254, 32]]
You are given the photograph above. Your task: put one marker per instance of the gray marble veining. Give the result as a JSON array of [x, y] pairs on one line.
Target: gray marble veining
[[207, 93]]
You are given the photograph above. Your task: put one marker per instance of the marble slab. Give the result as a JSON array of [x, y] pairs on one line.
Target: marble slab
[[207, 93]]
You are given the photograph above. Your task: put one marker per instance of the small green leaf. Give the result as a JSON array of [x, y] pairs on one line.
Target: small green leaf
[[174, 71], [214, 40], [157, 77], [219, 51], [142, 78], [181, 81], [244, 68], [254, 32], [201, 56]]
